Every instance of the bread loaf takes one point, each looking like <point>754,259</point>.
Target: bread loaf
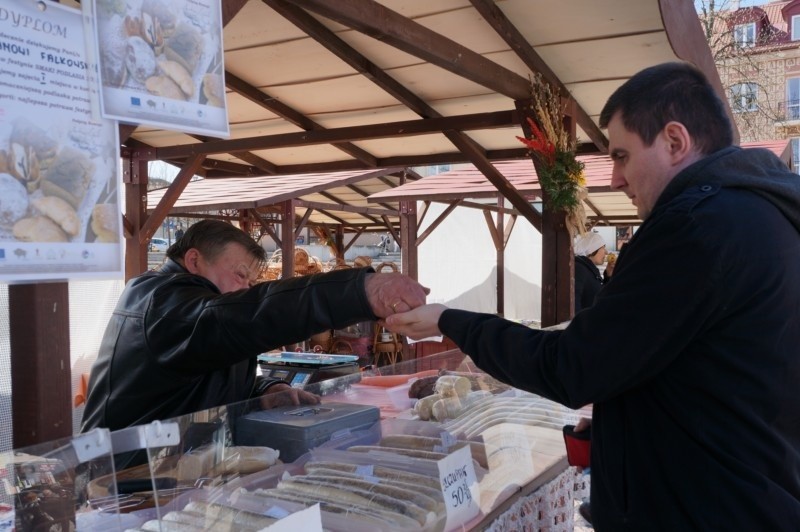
<point>39,229</point>
<point>139,59</point>
<point>60,212</point>
<point>69,176</point>
<point>105,222</point>
<point>177,73</point>
<point>214,90</point>
<point>422,387</point>
<point>165,87</point>
<point>185,46</point>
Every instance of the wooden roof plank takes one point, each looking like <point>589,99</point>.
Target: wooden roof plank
<point>380,22</point>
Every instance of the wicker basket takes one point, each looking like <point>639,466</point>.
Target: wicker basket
<point>362,261</point>
<point>384,265</point>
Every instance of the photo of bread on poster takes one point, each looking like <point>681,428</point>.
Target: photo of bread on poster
<point>55,188</point>
<point>153,53</point>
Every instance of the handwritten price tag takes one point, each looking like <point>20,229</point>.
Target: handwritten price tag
<point>309,520</point>
<point>459,487</point>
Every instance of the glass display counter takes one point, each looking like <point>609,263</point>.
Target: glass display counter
<point>45,487</point>
<point>367,457</point>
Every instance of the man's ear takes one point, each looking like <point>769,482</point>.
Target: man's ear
<point>679,142</point>
<point>191,259</point>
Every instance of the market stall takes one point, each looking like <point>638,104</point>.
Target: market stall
<point>471,452</point>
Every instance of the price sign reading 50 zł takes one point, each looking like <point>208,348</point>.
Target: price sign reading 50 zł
<point>459,487</point>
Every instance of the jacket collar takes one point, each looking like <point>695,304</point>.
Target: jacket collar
<point>587,262</point>
<point>692,175</point>
<point>170,266</point>
<point>754,169</point>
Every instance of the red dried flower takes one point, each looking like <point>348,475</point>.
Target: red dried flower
<point>539,143</point>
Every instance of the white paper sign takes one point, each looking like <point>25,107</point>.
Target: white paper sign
<point>460,487</point>
<point>308,520</point>
<point>161,63</point>
<point>59,167</point>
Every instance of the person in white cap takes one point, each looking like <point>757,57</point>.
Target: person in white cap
<point>590,252</point>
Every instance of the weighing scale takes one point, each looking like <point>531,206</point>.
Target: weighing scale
<point>300,369</point>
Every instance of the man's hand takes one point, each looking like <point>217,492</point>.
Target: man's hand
<point>284,395</point>
<point>390,293</point>
<point>419,323</point>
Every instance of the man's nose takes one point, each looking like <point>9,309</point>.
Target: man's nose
<point>617,179</point>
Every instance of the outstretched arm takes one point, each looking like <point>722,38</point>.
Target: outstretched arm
<point>418,323</point>
<point>391,293</point>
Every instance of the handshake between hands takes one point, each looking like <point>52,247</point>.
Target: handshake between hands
<point>400,303</point>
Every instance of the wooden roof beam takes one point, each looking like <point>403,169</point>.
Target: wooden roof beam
<point>403,160</point>
<point>267,226</point>
<point>319,32</point>
<point>439,219</point>
<point>495,17</point>
<point>161,210</point>
<point>333,217</point>
<point>490,120</point>
<point>303,221</point>
<point>341,202</point>
<point>144,151</point>
<point>389,27</point>
<point>249,157</point>
<point>317,205</point>
<point>266,101</point>
<point>388,225</point>
<point>364,194</point>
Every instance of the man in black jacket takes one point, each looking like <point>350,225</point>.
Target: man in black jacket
<point>690,355</point>
<point>185,337</point>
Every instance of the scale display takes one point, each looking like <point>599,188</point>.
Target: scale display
<point>300,369</point>
<point>290,357</point>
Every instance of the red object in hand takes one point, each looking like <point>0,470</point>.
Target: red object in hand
<point>579,446</point>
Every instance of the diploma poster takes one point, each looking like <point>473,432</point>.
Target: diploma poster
<point>161,63</point>
<point>59,195</point>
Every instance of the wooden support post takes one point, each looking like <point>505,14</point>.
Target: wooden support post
<point>338,241</point>
<point>409,262</point>
<point>40,362</point>
<point>287,239</point>
<point>245,222</point>
<point>558,286</point>
<point>134,176</point>
<point>501,258</point>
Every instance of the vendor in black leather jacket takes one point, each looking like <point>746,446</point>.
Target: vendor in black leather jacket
<point>691,352</point>
<point>185,337</point>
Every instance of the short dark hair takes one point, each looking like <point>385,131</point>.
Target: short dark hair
<point>210,237</point>
<point>671,92</point>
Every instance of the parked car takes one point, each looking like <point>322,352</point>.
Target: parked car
<point>158,244</point>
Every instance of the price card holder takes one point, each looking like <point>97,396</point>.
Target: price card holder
<point>308,520</point>
<point>460,487</point>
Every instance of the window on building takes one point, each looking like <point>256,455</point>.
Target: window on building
<point>793,99</point>
<point>745,34</point>
<point>796,27</point>
<point>744,97</point>
<point>796,155</point>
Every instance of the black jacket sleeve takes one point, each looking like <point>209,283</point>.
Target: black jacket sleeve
<point>189,326</point>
